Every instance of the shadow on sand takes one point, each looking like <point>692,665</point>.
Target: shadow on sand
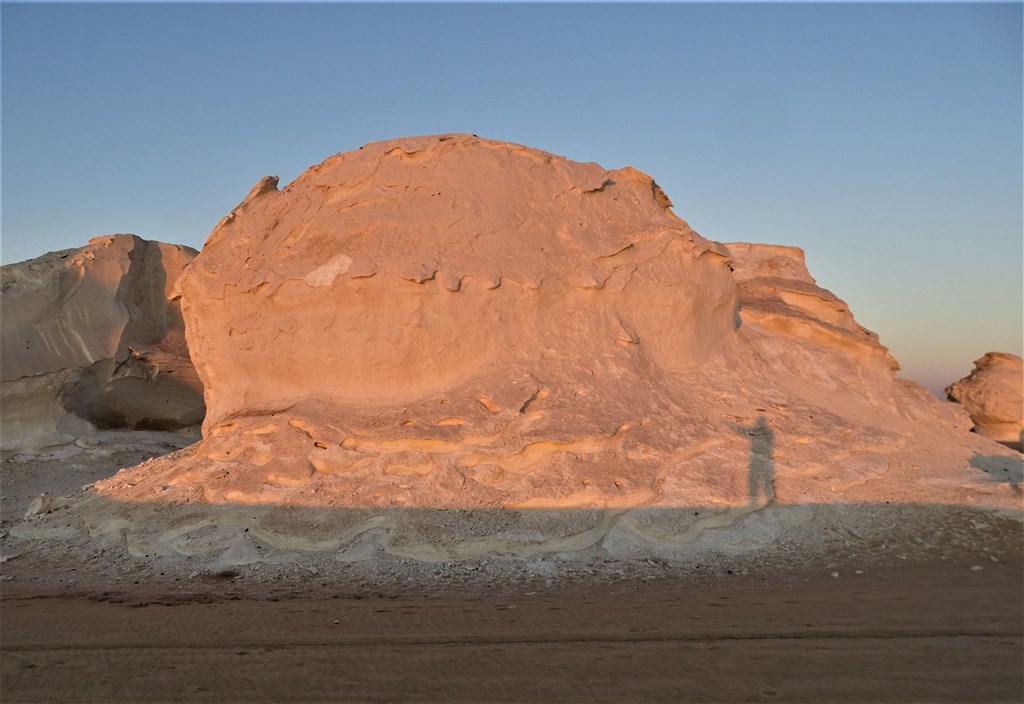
<point>228,534</point>
<point>1002,469</point>
<point>761,465</point>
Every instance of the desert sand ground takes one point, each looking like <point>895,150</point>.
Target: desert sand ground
<point>919,632</point>
<point>900,622</point>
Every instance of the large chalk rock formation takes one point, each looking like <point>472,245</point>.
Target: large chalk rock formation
<point>392,276</point>
<point>92,340</point>
<point>451,323</point>
<point>993,394</point>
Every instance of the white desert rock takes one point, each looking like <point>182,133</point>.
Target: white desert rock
<point>993,394</point>
<point>91,339</point>
<point>777,292</point>
<point>445,347</point>
<point>400,270</point>
<point>39,505</point>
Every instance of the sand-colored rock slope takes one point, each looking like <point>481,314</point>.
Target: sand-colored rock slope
<point>465,347</point>
<point>91,340</point>
<point>993,395</point>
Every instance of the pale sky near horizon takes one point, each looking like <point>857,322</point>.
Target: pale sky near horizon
<point>885,140</point>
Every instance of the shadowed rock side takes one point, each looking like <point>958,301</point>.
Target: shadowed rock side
<point>993,394</point>
<point>91,340</point>
<point>449,323</point>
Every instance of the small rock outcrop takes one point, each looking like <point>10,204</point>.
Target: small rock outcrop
<point>993,395</point>
<point>91,339</point>
<point>777,292</point>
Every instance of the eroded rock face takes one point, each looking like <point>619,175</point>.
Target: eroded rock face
<point>400,270</point>
<point>450,323</point>
<point>993,394</point>
<point>807,336</point>
<point>778,293</point>
<point>91,340</point>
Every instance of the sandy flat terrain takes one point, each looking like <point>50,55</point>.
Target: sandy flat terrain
<point>935,631</point>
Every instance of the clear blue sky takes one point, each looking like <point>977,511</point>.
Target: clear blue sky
<point>883,139</point>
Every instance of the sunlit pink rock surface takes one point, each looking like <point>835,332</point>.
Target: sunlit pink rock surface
<point>449,322</point>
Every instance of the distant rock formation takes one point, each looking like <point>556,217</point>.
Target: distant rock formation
<point>993,394</point>
<point>92,340</point>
